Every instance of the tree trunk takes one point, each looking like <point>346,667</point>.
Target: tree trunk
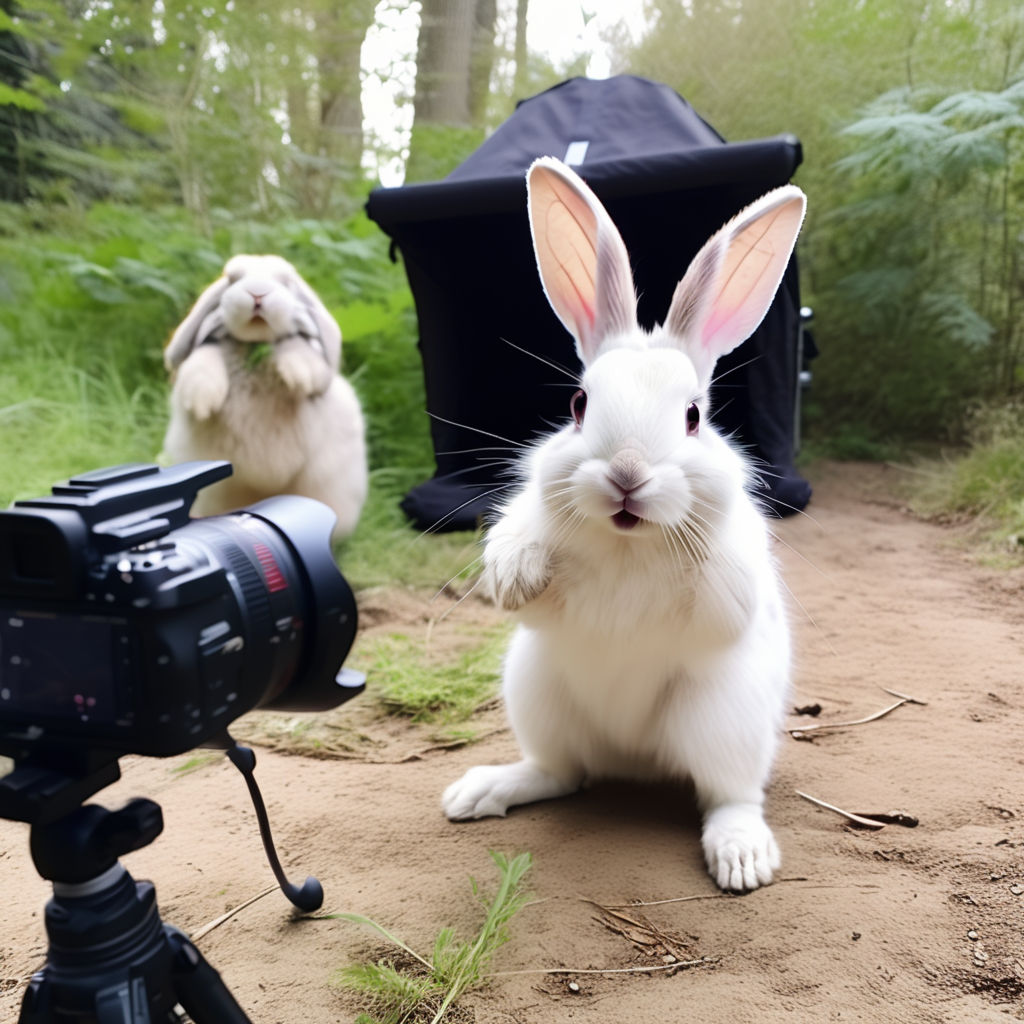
<point>519,83</point>
<point>341,31</point>
<point>455,54</point>
<point>326,114</point>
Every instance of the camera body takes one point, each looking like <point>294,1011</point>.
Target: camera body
<point>126,627</point>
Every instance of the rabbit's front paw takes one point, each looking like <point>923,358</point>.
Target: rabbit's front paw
<point>203,389</point>
<point>303,372</point>
<point>515,574</point>
<point>739,848</point>
<point>491,789</point>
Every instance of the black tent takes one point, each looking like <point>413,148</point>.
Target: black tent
<point>669,180</point>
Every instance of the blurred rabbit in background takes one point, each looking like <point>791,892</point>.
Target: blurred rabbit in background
<point>255,370</point>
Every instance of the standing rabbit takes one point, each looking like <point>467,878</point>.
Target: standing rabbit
<point>256,382</point>
<point>652,639</point>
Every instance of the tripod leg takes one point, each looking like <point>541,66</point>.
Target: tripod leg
<point>35,1004</point>
<point>198,986</point>
<point>120,1004</point>
<point>123,1004</point>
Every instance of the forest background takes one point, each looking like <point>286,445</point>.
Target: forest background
<point>142,142</point>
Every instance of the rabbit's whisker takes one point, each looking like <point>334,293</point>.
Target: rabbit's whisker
<point>673,543</point>
<point>444,586</point>
<point>477,430</point>
<point>733,369</point>
<point>474,451</point>
<point>810,618</point>
<point>574,377</point>
<point>444,615</point>
<point>785,543</point>
<point>458,508</point>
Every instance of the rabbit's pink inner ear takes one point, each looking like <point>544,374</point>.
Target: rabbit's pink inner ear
<point>565,240</point>
<point>750,275</point>
<point>569,259</point>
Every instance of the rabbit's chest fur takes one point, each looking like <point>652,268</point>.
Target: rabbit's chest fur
<point>627,638</point>
<point>262,426</point>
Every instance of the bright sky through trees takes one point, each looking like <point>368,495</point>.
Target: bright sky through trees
<point>559,30</point>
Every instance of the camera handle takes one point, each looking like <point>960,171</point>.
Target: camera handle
<point>111,959</point>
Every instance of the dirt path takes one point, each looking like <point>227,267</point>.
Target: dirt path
<point>900,925</point>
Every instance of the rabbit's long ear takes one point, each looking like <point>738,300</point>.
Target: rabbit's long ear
<point>583,263</point>
<point>731,282</point>
<point>186,334</point>
<point>327,326</point>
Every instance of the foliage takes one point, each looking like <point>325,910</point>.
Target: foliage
<point>925,279</point>
<point>88,305</point>
<point>152,103</point>
<point>987,483</point>
<point>421,989</point>
<point>410,682</point>
<point>910,255</point>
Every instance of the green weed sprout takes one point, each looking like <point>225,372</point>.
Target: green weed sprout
<point>419,989</point>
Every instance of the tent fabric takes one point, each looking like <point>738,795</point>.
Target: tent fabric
<point>491,346</point>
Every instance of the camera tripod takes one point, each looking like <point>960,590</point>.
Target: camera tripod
<point>111,959</point>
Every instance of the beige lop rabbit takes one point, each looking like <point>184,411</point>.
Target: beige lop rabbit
<point>256,381</point>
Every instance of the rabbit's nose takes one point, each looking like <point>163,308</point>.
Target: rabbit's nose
<point>628,470</point>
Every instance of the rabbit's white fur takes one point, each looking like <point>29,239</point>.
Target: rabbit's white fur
<point>289,423</point>
<point>654,644</point>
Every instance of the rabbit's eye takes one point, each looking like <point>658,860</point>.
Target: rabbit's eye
<point>692,419</point>
<point>578,407</point>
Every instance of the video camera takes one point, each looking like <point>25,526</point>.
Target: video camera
<point>127,628</point>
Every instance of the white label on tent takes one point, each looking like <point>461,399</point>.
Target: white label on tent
<point>576,153</point>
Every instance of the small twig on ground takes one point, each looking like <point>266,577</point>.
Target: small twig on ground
<point>218,921</point>
<point>855,818</point>
<point>687,899</point>
<point>678,965</point>
<point>462,741</point>
<point>818,726</point>
<point>648,937</point>
<point>903,696</point>
<point>674,899</point>
<point>891,818</point>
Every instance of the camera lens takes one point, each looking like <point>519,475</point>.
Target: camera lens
<point>297,611</point>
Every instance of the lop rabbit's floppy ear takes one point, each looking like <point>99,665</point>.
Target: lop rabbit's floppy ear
<point>194,327</point>
<point>327,326</point>
<point>582,259</point>
<point>731,282</point>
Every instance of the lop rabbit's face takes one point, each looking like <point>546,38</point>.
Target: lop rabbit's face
<point>258,304</point>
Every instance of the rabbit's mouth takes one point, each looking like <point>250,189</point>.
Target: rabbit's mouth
<point>625,520</point>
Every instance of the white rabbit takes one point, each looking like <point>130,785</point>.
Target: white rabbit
<point>652,639</point>
<point>288,422</point>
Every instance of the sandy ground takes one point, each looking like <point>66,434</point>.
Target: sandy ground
<point>919,925</point>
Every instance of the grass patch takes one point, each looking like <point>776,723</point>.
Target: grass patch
<point>411,989</point>
<point>439,688</point>
<point>197,762</point>
<point>849,444</point>
<point>385,550</point>
<point>984,485</point>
